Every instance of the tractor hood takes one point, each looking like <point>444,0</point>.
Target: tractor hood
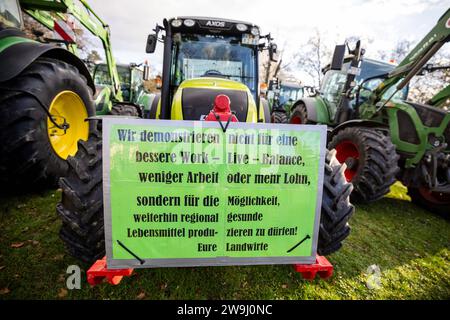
<point>194,99</point>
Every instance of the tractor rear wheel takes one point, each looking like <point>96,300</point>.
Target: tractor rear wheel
<point>279,117</point>
<point>33,150</point>
<point>299,115</point>
<point>81,206</point>
<point>371,161</point>
<point>436,202</point>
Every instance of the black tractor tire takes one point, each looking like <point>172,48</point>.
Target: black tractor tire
<point>128,110</point>
<point>27,158</point>
<point>279,117</point>
<point>81,206</point>
<point>435,202</point>
<point>299,115</point>
<point>336,207</point>
<point>371,161</point>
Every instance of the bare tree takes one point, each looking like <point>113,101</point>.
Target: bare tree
<point>424,87</point>
<point>313,56</point>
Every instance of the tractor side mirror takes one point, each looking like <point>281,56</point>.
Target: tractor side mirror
<point>273,52</point>
<point>152,40</point>
<point>146,74</point>
<point>338,57</point>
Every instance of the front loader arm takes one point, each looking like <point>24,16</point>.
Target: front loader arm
<point>46,11</point>
<point>411,65</point>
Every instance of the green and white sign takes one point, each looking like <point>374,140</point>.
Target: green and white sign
<point>184,193</point>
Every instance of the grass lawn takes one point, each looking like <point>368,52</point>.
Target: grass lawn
<point>409,245</point>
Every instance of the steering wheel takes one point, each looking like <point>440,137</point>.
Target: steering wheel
<point>212,73</point>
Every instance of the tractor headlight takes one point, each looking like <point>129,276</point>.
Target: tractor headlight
<point>255,31</point>
<point>241,27</point>
<point>189,23</point>
<point>176,23</point>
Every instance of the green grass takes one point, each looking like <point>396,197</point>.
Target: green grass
<point>410,245</point>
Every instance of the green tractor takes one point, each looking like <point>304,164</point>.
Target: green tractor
<point>46,92</point>
<point>119,89</point>
<point>45,96</point>
<point>376,132</point>
<point>134,99</point>
<point>281,96</point>
<point>203,58</point>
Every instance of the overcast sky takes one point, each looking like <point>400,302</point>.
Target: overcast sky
<point>381,22</point>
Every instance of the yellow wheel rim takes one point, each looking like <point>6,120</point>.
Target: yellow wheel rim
<point>67,108</point>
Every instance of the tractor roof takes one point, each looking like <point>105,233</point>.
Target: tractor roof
<point>213,19</point>
<point>211,25</point>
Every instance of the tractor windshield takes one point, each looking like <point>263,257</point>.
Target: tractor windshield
<point>290,93</point>
<point>10,14</point>
<point>196,55</point>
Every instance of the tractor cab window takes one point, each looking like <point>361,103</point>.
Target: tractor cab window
<point>372,69</point>
<point>196,56</point>
<point>332,86</point>
<point>10,14</point>
<point>289,93</point>
<point>102,78</point>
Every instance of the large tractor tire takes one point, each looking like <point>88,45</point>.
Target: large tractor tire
<point>33,150</point>
<point>81,206</point>
<point>336,206</point>
<point>279,117</point>
<point>371,161</point>
<point>299,115</point>
<point>436,202</point>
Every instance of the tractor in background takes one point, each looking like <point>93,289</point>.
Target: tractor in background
<point>281,96</point>
<point>378,133</point>
<point>203,58</point>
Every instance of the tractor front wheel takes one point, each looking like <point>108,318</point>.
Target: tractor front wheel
<point>299,115</point>
<point>279,117</point>
<point>371,161</point>
<point>336,207</point>
<point>437,202</point>
<point>128,110</point>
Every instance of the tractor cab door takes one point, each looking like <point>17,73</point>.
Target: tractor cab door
<point>332,85</point>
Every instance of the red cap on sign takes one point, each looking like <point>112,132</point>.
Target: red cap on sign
<point>222,103</point>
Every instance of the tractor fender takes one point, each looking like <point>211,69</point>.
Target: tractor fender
<point>17,57</point>
<point>356,123</point>
<point>315,108</point>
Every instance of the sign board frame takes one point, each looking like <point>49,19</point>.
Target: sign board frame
<point>220,260</point>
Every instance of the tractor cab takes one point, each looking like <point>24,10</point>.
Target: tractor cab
<point>130,76</point>
<point>346,86</point>
<point>10,14</point>
<point>282,94</point>
<point>206,57</point>
<point>131,86</point>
